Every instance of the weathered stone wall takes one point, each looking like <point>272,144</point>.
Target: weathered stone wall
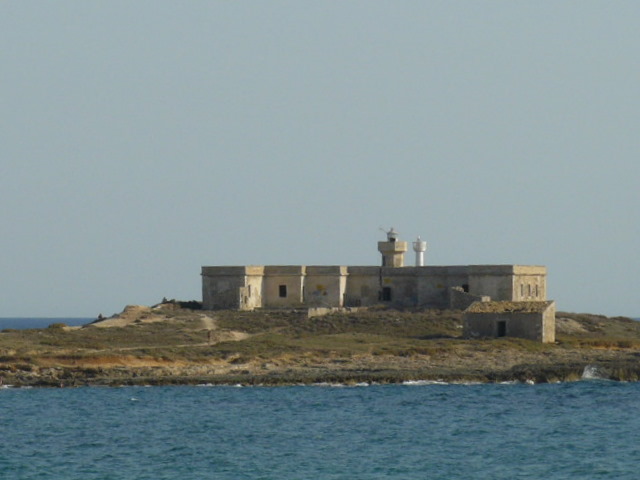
<point>407,286</point>
<point>283,286</point>
<point>421,286</point>
<point>362,286</point>
<point>529,283</point>
<point>322,311</point>
<point>325,286</point>
<point>531,320</point>
<point>251,293</point>
<point>460,300</point>
<point>549,323</point>
<point>393,253</point>
<point>221,286</point>
<point>399,287</point>
<point>336,286</point>
<point>495,281</point>
<point>434,284</point>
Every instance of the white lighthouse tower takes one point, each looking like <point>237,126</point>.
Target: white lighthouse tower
<point>419,246</point>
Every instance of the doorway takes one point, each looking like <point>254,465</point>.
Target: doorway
<point>386,294</point>
<point>502,328</point>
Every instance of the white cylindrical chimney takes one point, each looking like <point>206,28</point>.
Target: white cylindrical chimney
<point>419,246</point>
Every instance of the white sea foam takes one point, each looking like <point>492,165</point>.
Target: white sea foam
<point>593,372</point>
<point>424,382</point>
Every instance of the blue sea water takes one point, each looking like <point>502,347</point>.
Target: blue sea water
<point>583,430</point>
<point>40,322</point>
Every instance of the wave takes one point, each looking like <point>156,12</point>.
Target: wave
<point>593,372</point>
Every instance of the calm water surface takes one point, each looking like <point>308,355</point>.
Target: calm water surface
<point>21,323</point>
<point>565,431</point>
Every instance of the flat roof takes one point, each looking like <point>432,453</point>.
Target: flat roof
<point>508,307</point>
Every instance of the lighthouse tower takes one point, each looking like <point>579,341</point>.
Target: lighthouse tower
<point>419,246</point>
<point>392,250</point>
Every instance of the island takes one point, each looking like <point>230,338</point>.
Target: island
<point>179,343</point>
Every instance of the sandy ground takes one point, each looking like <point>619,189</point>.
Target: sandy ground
<point>143,314</point>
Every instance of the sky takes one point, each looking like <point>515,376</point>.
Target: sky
<point>142,140</point>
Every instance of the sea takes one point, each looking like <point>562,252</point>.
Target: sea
<point>423,430</point>
<point>17,323</point>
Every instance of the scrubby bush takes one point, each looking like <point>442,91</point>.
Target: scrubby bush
<point>57,325</point>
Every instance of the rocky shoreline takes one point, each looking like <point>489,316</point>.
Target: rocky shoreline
<point>622,369</point>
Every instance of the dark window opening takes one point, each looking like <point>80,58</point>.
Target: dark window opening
<point>502,328</point>
<point>283,291</point>
<point>386,294</point>
<point>465,287</point>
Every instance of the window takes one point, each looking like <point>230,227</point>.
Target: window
<point>282,290</point>
<point>386,294</point>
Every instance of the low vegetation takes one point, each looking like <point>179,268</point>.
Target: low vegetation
<point>176,342</point>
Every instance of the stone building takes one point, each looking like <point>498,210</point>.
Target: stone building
<point>532,320</point>
<point>392,283</point>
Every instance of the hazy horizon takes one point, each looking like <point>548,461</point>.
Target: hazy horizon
<point>141,141</point>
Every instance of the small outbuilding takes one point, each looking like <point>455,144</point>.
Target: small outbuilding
<point>532,320</point>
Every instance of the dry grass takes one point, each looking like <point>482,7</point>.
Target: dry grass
<point>175,343</point>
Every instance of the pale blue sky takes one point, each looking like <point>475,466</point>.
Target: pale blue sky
<point>142,140</point>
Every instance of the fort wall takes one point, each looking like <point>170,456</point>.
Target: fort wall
<point>325,286</point>
<point>362,287</point>
<point>280,286</point>
<point>283,286</point>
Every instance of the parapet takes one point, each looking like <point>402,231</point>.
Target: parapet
<point>232,271</point>
<point>368,271</point>
<point>326,270</point>
<point>529,270</point>
<point>284,270</point>
<point>507,270</point>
